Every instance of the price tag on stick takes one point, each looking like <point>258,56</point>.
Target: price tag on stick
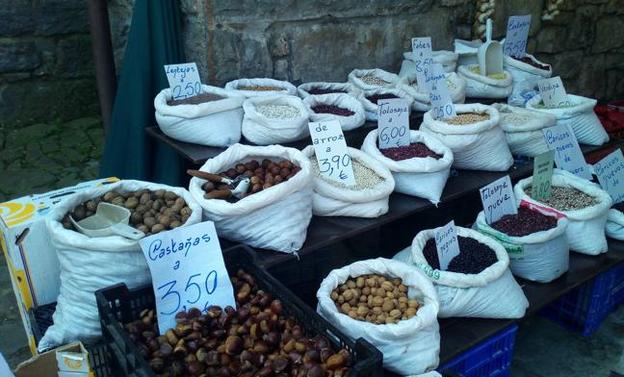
<point>568,154</point>
<point>331,152</point>
<point>446,244</point>
<point>393,123</point>
<point>542,175</point>
<point>517,34</point>
<point>187,271</point>
<point>610,172</point>
<point>183,80</point>
<point>553,93</point>
<point>442,106</point>
<point>498,199</point>
<point>421,52</point>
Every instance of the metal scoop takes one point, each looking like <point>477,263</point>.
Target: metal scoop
<point>108,220</point>
<point>490,54</point>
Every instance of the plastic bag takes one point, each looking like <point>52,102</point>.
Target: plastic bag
<point>214,123</point>
<point>410,346</point>
<point>339,87</point>
<point>476,146</point>
<point>371,108</point>
<point>420,177</point>
<point>91,263</point>
<point>355,78</point>
<point>492,293</point>
<point>615,224</point>
<point>586,227</point>
<point>523,129</point>
<point>480,86</point>
<point>262,130</point>
<point>283,87</point>
<point>276,218</point>
<point>580,116</point>
<point>341,100</point>
<point>456,86</point>
<point>331,200</point>
<point>525,78</point>
<point>447,59</point>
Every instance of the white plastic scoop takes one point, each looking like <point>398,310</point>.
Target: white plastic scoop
<point>108,220</point>
<point>490,54</point>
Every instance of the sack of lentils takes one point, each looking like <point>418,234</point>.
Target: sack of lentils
<point>579,114</point>
<point>369,99</point>
<point>477,283</point>
<point>261,87</point>
<point>455,84</point>
<point>368,79</point>
<point>475,138</point>
<point>498,85</point>
<point>318,88</point>
<point>344,108</point>
<point>615,222</point>
<point>447,59</point>
<point>213,117</point>
<point>419,169</point>
<point>275,211</point>
<point>535,240</point>
<point>390,304</point>
<point>523,129</point>
<point>275,119</point>
<point>368,198</point>
<point>91,263</point>
<point>585,205</point>
<point>525,73</point>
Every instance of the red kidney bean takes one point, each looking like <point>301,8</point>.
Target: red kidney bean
<point>332,109</point>
<point>526,222</point>
<point>414,150</point>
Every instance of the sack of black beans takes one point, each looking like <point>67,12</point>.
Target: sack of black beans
<point>368,198</point>
<point>447,59</point>
<point>213,117</point>
<point>369,99</point>
<point>344,108</point>
<point>477,283</point>
<point>474,136</point>
<point>579,115</point>
<point>275,119</point>
<point>261,87</point>
<point>419,169</point>
<point>615,224</point>
<point>368,79</point>
<point>523,129</point>
<point>409,346</point>
<point>91,263</point>
<point>317,88</point>
<point>525,73</point>
<point>455,84</point>
<point>535,240</point>
<point>274,218</point>
<point>498,85</point>
<point>585,205</point>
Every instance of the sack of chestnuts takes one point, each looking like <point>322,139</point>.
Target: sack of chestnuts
<point>389,303</point>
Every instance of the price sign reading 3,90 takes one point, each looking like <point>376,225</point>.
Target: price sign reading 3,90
<point>441,102</point>
<point>183,80</point>
<point>331,152</point>
<point>393,123</point>
<point>187,271</point>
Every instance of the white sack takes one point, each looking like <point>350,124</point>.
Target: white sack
<point>466,51</point>
<point>276,218</point>
<point>615,224</point>
<point>410,346</point>
<point>346,87</point>
<point>371,108</point>
<point>525,78</point>
<point>264,131</point>
<point>456,86</point>
<point>420,177</point>
<point>523,129</point>
<point>92,263</point>
<point>345,101</point>
<point>330,200</point>
<point>286,88</point>
<point>215,123</point>
<point>480,86</point>
<point>447,59</point>
<point>580,116</point>
<point>355,78</point>
<point>586,227</point>
<point>477,146</point>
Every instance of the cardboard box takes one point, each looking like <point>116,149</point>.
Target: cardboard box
<point>71,360</point>
<point>31,259</point>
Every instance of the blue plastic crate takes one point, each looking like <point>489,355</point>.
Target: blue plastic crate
<point>584,308</point>
<point>491,358</point>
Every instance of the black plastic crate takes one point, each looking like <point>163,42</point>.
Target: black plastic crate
<point>117,306</point>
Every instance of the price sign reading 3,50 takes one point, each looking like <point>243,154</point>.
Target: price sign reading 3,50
<point>183,80</point>
<point>331,152</point>
<point>441,102</point>
<point>517,34</point>
<point>393,123</point>
<point>421,54</point>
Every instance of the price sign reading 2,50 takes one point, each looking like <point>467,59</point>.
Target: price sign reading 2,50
<point>194,290</point>
<point>183,80</point>
<point>190,90</point>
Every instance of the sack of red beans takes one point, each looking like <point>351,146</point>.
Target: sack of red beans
<point>477,282</point>
<point>319,87</point>
<point>369,99</point>
<point>368,79</point>
<point>535,240</point>
<point>420,169</point>
<point>344,108</point>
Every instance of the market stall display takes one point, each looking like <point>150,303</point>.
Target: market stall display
<point>275,119</point>
<point>523,129</point>
<point>261,87</point>
<point>320,87</point>
<point>420,169</point>
<point>368,79</point>
<point>409,84</point>
<point>369,99</point>
<point>525,73</point>
<point>344,108</point>
<point>615,222</point>
<point>368,198</point>
<point>585,205</point>
<point>474,136</point>
<point>213,117</point>
<point>497,85</point>
<point>447,59</point>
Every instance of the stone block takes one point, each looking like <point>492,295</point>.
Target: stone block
<point>551,39</point>
<point>22,137</point>
<point>504,9</point>
<point>280,69</point>
<point>18,55</point>
<point>614,60</point>
<point>16,18</point>
<point>566,64</point>
<point>614,85</point>
<point>591,78</point>
<point>74,57</point>
<point>53,17</point>
<point>609,34</point>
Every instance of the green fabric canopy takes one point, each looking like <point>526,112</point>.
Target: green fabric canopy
<point>153,41</point>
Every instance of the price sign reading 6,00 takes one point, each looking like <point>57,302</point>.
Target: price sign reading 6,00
<point>183,80</point>
<point>393,123</point>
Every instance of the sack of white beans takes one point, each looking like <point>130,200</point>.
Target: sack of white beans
<point>523,129</point>
<point>456,86</point>
<point>447,59</point>
<point>261,87</point>
<point>369,99</point>
<point>525,77</point>
<point>346,109</point>
<point>275,119</point>
<point>480,86</point>
<point>317,88</point>
<point>368,79</point>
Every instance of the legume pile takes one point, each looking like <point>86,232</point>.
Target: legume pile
<point>317,91</point>
<point>495,76</point>
<point>376,97</point>
<point>528,60</point>
<point>467,118</point>
<point>566,198</point>
<point>376,299</point>
<point>365,177</point>
<point>278,111</point>
<point>526,222</point>
<point>261,88</point>
<point>332,109</point>
<point>473,257</point>
<point>195,100</point>
<point>414,150</point>
<point>371,79</point>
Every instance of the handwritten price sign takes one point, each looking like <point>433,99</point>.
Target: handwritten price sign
<point>421,52</point>
<point>498,199</point>
<point>542,175</point>
<point>446,244</point>
<point>331,151</point>
<point>187,271</point>
<point>393,123</point>
<point>553,93</point>
<point>568,154</point>
<point>517,34</point>
<point>441,102</point>
<point>183,80</point>
<point>610,172</point>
